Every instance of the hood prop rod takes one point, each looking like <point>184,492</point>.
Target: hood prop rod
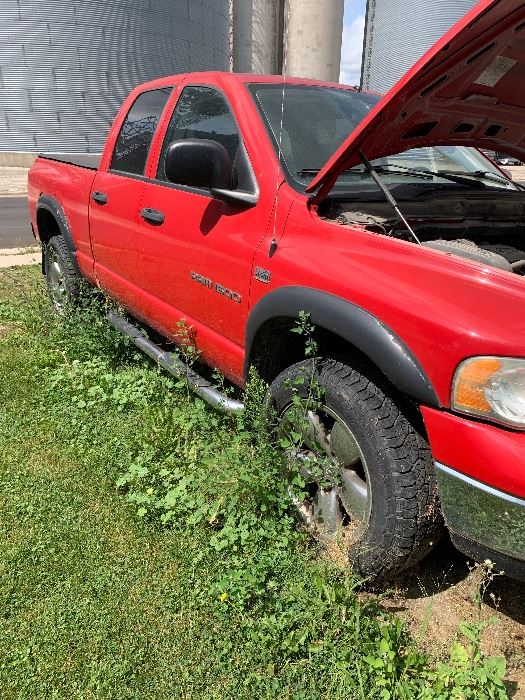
<point>388,195</point>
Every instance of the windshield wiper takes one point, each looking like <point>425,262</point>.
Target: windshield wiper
<point>459,179</point>
<point>487,175</point>
<point>314,171</point>
<point>401,170</point>
<point>378,168</point>
<point>408,172</point>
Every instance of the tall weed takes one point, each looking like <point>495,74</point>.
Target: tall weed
<point>289,624</point>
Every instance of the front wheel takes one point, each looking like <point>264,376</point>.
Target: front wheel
<point>360,466</point>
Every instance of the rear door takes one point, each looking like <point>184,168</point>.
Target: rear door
<point>116,196</point>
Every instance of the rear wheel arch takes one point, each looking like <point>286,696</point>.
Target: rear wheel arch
<point>342,329</point>
<point>51,221</point>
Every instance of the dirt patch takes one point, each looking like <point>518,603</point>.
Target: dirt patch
<point>443,592</point>
<point>336,549</point>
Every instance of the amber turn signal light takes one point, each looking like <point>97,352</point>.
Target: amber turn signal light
<point>469,388</point>
<point>492,388</point>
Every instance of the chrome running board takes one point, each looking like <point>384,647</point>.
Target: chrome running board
<point>176,367</point>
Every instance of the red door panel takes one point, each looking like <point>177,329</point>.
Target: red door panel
<point>199,260</point>
<point>114,228</point>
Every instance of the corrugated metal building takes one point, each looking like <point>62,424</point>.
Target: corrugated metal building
<point>398,32</point>
<point>67,65</point>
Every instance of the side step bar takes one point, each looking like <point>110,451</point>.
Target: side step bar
<point>175,366</point>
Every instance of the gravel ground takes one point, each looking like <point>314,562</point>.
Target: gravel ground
<point>13,181</point>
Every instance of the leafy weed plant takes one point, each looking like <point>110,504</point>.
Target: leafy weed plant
<point>150,550</point>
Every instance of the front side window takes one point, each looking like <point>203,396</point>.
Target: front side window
<point>201,113</point>
<point>135,137</point>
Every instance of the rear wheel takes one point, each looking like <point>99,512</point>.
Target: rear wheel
<point>63,282</point>
<point>361,472</point>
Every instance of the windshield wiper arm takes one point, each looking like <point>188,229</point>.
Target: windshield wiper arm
<point>488,175</point>
<point>378,168</point>
<point>460,179</point>
<point>400,170</point>
<point>314,171</point>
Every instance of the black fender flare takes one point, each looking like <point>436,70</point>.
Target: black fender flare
<point>357,326</point>
<point>53,207</point>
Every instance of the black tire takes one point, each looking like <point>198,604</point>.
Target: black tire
<point>63,282</point>
<point>403,519</point>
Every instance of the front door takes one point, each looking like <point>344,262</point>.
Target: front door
<point>197,262</point>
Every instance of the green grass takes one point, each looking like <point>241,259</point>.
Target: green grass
<point>148,550</point>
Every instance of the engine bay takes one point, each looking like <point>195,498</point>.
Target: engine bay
<point>486,226</point>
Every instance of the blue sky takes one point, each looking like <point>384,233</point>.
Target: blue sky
<point>354,24</point>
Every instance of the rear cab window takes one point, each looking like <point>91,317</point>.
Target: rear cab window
<point>136,134</point>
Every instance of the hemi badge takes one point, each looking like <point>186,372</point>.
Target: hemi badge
<point>262,275</point>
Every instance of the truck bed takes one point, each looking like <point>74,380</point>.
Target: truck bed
<point>91,161</point>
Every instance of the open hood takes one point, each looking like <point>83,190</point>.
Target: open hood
<point>467,90</point>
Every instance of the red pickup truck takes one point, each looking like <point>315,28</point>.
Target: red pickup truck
<point>236,202</point>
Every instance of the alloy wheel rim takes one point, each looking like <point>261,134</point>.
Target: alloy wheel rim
<point>57,284</point>
<point>327,455</point>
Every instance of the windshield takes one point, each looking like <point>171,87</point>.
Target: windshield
<point>316,120</point>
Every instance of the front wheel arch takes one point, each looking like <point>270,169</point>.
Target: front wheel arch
<point>341,328</point>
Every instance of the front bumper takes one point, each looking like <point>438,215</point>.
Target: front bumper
<point>483,522</point>
<point>480,470</point>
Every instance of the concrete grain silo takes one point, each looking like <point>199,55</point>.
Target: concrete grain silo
<point>312,38</point>
<point>398,32</point>
<point>257,36</point>
<point>67,65</point>
<point>295,37</point>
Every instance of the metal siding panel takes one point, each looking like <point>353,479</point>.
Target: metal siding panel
<point>61,12</point>
<point>67,66</point>
<point>10,11</point>
<point>399,33</point>
<point>10,99</point>
<point>11,53</point>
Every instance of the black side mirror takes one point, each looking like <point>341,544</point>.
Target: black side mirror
<point>198,163</point>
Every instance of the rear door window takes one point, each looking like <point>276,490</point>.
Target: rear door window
<point>135,137</point>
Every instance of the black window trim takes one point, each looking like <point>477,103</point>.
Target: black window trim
<point>169,185</point>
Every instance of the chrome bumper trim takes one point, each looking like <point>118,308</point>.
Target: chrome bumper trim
<point>482,513</point>
<point>480,485</point>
